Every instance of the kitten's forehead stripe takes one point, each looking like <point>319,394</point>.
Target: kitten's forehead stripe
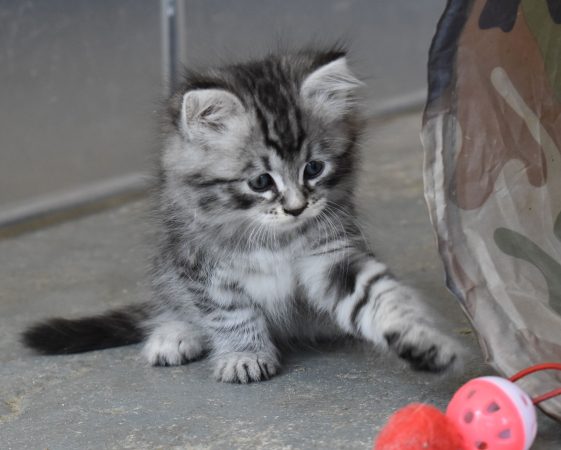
<point>269,142</point>
<point>266,163</point>
<point>279,116</point>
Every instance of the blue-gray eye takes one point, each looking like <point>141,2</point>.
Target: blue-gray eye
<point>313,169</point>
<point>262,183</point>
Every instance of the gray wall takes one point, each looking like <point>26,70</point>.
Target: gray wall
<point>389,39</point>
<point>79,79</point>
<point>78,83</point>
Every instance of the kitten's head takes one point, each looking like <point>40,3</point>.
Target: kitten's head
<point>268,142</point>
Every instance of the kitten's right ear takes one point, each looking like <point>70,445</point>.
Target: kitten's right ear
<point>329,90</point>
<point>209,110</point>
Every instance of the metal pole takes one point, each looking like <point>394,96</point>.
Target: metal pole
<point>170,45</point>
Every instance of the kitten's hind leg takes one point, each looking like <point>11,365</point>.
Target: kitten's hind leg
<point>173,343</point>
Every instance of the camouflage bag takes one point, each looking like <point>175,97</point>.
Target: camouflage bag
<point>492,138</point>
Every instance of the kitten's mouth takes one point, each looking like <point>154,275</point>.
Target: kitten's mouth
<point>288,222</point>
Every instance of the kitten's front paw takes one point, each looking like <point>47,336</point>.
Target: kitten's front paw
<point>424,348</point>
<point>172,344</point>
<point>245,367</point>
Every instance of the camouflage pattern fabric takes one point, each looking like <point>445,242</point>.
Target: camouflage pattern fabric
<point>492,138</point>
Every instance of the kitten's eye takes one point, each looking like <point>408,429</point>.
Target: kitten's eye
<point>262,183</point>
<point>313,169</point>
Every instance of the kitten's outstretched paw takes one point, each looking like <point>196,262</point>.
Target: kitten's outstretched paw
<point>245,367</point>
<point>425,349</point>
<point>172,344</point>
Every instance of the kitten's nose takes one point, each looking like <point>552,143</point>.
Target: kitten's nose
<point>295,211</point>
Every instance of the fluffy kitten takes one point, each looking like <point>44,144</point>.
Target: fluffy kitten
<point>259,239</point>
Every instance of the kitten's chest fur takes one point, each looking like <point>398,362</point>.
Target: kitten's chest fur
<point>268,277</point>
<point>272,280</point>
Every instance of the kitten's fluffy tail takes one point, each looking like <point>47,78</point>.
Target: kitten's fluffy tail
<point>111,329</point>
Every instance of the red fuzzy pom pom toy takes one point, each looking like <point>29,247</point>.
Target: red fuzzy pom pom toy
<point>419,426</point>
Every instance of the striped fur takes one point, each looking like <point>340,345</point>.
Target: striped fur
<point>240,271</point>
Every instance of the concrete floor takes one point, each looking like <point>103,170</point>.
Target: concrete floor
<point>325,398</point>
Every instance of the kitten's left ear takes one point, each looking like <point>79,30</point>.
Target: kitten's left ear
<point>328,91</point>
<point>210,112</point>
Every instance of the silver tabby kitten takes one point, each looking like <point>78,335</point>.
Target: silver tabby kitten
<point>260,244</point>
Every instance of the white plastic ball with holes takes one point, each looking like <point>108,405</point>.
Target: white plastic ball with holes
<point>493,413</point>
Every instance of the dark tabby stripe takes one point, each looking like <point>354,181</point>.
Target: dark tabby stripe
<point>361,303</point>
<point>343,275</point>
<point>224,324</point>
<point>207,305</point>
<point>199,181</point>
<point>242,201</point>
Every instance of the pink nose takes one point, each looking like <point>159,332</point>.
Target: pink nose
<point>493,413</point>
